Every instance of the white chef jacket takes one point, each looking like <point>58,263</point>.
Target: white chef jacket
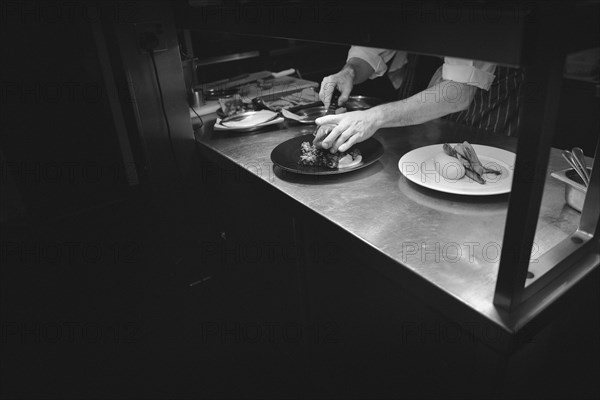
<point>471,72</point>
<point>495,108</point>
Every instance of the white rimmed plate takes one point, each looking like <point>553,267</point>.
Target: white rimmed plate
<point>220,127</point>
<point>248,119</point>
<point>418,167</point>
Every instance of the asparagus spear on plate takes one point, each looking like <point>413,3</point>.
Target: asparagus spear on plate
<point>492,171</point>
<point>474,175</point>
<point>460,150</point>
<point>449,150</point>
<point>453,153</point>
<point>461,153</point>
<point>466,154</point>
<point>473,159</point>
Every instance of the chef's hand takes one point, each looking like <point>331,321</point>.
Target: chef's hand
<point>352,127</point>
<point>342,81</point>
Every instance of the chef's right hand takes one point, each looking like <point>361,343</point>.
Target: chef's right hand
<point>342,81</point>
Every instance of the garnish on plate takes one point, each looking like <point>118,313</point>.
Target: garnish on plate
<point>464,162</point>
<point>314,157</point>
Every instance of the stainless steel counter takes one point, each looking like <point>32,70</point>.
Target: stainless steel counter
<point>452,242</point>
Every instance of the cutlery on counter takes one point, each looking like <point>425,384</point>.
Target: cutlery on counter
<point>578,166</point>
<point>580,158</point>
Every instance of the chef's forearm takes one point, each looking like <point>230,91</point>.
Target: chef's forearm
<point>444,98</point>
<point>359,69</point>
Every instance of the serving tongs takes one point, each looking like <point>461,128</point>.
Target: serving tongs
<point>576,159</point>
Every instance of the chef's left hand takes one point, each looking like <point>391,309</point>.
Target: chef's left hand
<point>352,127</point>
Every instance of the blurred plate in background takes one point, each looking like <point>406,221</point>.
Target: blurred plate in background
<point>249,119</point>
<point>310,114</point>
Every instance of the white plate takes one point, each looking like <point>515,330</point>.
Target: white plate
<point>418,166</point>
<point>219,127</point>
<point>249,119</point>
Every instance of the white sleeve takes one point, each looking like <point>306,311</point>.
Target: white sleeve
<point>471,72</point>
<point>376,58</point>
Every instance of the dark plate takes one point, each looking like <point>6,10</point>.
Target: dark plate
<point>357,103</point>
<point>287,154</point>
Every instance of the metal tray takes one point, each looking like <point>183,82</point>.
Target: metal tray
<point>575,190</point>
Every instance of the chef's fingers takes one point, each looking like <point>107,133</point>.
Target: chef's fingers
<point>322,89</point>
<point>349,143</point>
<point>345,93</point>
<point>332,137</point>
<point>343,138</point>
<point>318,140</point>
<point>327,87</point>
<point>329,119</point>
<point>321,134</point>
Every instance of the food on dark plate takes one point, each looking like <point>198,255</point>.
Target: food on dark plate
<point>466,157</point>
<point>314,157</point>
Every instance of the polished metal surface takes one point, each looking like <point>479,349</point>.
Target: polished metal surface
<point>453,242</point>
<point>571,259</point>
